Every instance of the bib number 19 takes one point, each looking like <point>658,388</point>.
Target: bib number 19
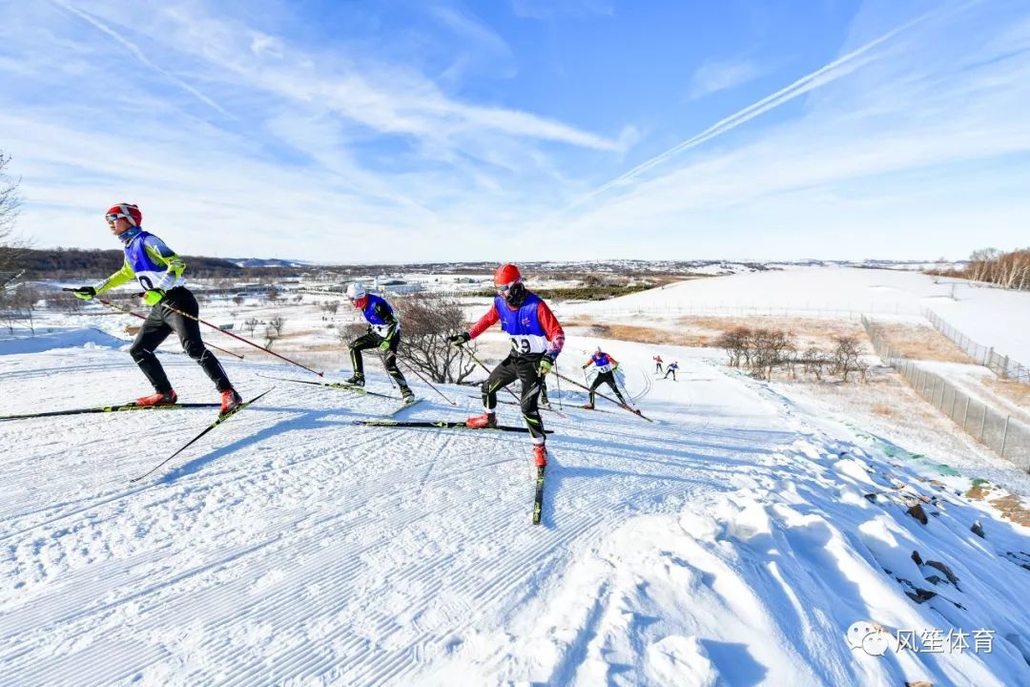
<point>521,345</point>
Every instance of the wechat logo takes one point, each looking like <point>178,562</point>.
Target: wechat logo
<point>869,637</point>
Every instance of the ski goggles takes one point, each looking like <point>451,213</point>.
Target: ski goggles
<point>505,288</point>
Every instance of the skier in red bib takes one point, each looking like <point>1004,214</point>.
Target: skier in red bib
<point>536,340</point>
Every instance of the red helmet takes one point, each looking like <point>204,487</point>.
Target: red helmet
<point>126,210</point>
<point>506,275</point>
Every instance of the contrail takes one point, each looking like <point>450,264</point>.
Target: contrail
<point>826,74</point>
<point>134,49</point>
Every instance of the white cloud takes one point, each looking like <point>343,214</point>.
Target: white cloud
<point>713,76</point>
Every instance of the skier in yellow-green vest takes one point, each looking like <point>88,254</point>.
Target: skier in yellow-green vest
<point>159,270</point>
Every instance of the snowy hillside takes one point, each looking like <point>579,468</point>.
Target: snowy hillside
<point>735,541</point>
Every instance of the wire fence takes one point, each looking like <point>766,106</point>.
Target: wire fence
<point>1002,365</point>
<point>1005,435</point>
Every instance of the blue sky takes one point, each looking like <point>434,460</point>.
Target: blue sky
<point>402,130</point>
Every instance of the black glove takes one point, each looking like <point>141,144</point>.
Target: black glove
<point>85,292</point>
<point>458,339</point>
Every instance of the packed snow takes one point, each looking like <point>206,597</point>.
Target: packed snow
<point>737,541</point>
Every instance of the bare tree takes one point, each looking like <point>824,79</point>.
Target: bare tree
<point>846,356</point>
<point>25,299</point>
<point>272,294</point>
<point>250,325</point>
<point>330,307</point>
<point>238,299</point>
<point>270,336</point>
<point>735,341</point>
<point>277,323</point>
<point>426,322</point>
<point>10,204</point>
<point>815,361</point>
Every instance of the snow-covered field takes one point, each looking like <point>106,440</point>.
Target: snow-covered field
<point>990,316</point>
<point>735,541</point>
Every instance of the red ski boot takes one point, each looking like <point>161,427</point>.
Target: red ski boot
<point>230,401</point>
<point>167,398</point>
<point>483,421</point>
<point>540,455</point>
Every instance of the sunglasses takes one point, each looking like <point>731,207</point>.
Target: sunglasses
<point>505,288</point>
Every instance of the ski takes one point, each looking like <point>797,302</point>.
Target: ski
<point>220,420</point>
<point>441,424</point>
<point>108,409</point>
<point>538,497</point>
<point>548,408</point>
<point>343,386</point>
<point>404,406</point>
<point>635,411</point>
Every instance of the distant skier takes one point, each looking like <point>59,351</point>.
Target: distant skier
<point>536,340</point>
<point>384,333</point>
<point>657,364</point>
<point>606,367</point>
<point>159,271</point>
<point>671,370</point>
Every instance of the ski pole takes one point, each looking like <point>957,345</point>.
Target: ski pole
<point>240,338</point>
<point>217,348</point>
<point>416,372</point>
<point>558,378</point>
<point>213,326</point>
<point>480,363</point>
<point>607,398</point>
<point>143,317</point>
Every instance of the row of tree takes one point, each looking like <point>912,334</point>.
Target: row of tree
<point>1009,270</point>
<point>763,351</point>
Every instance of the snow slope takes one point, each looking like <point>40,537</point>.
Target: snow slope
<point>732,542</point>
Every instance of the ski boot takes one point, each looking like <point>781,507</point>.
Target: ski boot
<point>484,421</point>
<point>587,406</point>
<point>230,401</point>
<point>408,396</point>
<point>356,379</point>
<point>630,408</point>
<point>540,455</point>
<point>167,398</point>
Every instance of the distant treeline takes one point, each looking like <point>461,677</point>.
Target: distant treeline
<point>72,262</point>
<point>1009,270</point>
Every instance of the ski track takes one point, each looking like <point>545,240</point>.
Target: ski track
<point>292,546</point>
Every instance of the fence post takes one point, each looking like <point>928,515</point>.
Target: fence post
<point>990,356</point>
<point>1005,435</point>
<point>965,414</point>
<point>1005,368</point>
<point>983,421</point>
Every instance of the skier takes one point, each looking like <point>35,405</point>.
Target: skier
<point>606,367</point>
<point>384,333</point>
<point>536,340</point>
<point>673,366</point>
<point>159,271</point>
<point>657,364</point>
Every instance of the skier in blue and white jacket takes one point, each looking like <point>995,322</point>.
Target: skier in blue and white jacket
<point>384,333</point>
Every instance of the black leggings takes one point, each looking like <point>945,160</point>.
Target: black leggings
<point>373,340</point>
<point>523,368</point>
<point>601,378</point>
<point>159,324</point>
